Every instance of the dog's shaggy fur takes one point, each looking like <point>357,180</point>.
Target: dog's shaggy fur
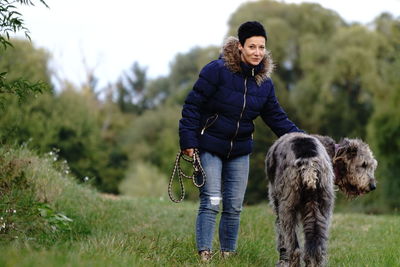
<point>302,170</point>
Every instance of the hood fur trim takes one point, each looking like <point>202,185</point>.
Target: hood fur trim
<point>231,55</point>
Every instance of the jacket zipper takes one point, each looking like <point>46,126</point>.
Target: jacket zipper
<point>240,117</point>
<point>209,125</point>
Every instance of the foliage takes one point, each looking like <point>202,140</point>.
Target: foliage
<point>56,220</point>
<point>71,126</point>
<point>151,139</point>
<point>25,60</point>
<point>25,73</point>
<point>21,88</point>
<point>384,126</point>
<point>337,99</point>
<point>153,135</point>
<point>11,22</point>
<point>75,126</point>
<point>130,90</point>
<point>144,180</point>
<point>185,69</point>
<point>23,205</point>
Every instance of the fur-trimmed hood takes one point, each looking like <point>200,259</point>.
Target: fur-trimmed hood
<point>231,55</point>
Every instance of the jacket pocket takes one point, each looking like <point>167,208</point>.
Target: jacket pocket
<point>210,121</point>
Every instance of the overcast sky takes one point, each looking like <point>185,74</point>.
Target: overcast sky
<point>110,35</point>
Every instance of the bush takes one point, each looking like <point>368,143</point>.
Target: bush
<point>71,125</point>
<point>144,180</point>
<point>27,189</point>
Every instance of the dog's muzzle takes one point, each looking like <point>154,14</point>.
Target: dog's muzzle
<point>372,186</point>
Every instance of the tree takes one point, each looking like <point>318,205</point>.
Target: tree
<point>70,124</point>
<point>384,126</point>
<point>11,22</point>
<point>335,97</point>
<point>131,89</point>
<point>25,61</point>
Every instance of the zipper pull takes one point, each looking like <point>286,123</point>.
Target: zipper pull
<point>252,72</point>
<point>202,131</point>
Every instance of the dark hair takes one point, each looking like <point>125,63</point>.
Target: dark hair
<point>250,29</point>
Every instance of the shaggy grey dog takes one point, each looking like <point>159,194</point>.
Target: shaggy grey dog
<point>302,170</point>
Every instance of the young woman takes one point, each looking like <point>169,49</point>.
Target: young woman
<point>217,119</point>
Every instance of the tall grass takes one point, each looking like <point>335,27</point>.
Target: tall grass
<point>100,231</point>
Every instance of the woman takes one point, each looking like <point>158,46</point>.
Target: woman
<point>217,119</point>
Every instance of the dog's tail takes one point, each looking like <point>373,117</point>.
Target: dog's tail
<point>309,171</point>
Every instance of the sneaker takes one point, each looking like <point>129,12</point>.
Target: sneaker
<point>227,254</point>
<point>205,255</point>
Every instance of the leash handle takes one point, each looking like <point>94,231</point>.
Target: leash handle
<point>198,169</point>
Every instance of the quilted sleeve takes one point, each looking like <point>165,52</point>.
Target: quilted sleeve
<point>275,117</point>
<point>203,89</point>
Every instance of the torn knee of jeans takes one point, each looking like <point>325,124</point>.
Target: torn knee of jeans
<point>215,200</point>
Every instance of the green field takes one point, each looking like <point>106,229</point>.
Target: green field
<point>108,231</point>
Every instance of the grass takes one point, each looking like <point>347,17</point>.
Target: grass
<point>60,223</point>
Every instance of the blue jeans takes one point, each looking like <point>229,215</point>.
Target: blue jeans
<point>226,181</point>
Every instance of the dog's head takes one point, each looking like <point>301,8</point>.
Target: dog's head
<point>354,166</point>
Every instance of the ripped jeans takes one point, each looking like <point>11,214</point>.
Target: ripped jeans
<point>226,182</point>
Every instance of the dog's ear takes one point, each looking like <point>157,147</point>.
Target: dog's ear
<point>342,147</point>
<point>351,152</point>
<point>340,168</point>
<point>341,152</point>
<point>347,149</point>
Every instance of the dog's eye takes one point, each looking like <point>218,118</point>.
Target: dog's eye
<point>364,165</point>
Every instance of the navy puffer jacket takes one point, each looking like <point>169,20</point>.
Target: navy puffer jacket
<point>218,113</point>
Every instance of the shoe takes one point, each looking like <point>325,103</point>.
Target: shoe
<point>205,255</point>
<point>227,254</point>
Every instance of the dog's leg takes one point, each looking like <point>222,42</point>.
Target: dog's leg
<point>283,257</point>
<point>288,244</point>
<point>316,219</point>
<point>279,238</point>
<point>286,257</point>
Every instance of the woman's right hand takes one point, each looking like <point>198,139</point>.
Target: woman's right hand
<point>188,152</point>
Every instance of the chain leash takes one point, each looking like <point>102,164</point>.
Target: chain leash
<point>198,170</point>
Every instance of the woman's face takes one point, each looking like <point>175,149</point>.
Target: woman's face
<point>253,50</point>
